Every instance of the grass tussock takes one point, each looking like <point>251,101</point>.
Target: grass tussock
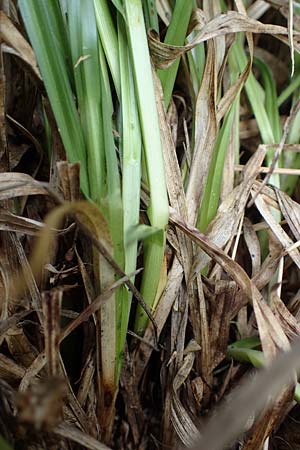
<point>149,224</point>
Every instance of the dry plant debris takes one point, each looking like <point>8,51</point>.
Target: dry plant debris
<point>140,283</point>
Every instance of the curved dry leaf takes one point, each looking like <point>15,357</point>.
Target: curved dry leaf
<point>232,22</point>
<point>12,36</point>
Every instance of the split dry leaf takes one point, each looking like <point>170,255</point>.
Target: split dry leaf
<point>32,371</point>
<point>94,306</point>
<point>173,175</point>
<point>144,350</point>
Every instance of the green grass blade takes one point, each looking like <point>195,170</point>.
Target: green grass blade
<point>289,90</point>
<point>41,20</point>
<point>4,445</point>
<point>131,174</point>
<point>256,100</point>
<point>211,196</point>
<point>150,15</point>
<point>158,207</point>
<point>176,36</point>
<point>256,358</point>
<point>115,211</point>
<point>109,40</point>
<point>270,98</point>
<point>85,57</point>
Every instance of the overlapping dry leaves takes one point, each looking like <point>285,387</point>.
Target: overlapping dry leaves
<point>175,375</point>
